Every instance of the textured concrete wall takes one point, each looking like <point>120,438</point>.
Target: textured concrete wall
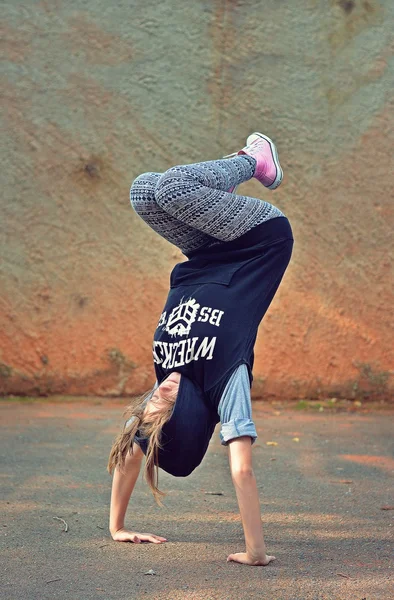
<point>97,92</point>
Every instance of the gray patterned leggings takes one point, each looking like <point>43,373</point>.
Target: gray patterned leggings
<point>190,206</point>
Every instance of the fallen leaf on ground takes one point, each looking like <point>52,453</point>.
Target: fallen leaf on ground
<point>271,443</point>
<point>296,439</point>
<point>343,575</point>
<point>341,481</point>
<point>215,493</point>
<point>387,508</point>
<point>150,572</point>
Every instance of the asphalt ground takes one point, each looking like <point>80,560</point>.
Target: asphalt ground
<point>327,507</point>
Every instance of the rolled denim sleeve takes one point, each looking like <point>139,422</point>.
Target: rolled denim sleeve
<point>235,408</point>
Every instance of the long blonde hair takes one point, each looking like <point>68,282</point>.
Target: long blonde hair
<point>149,425</point>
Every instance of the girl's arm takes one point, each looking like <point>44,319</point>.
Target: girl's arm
<point>240,457</point>
<point>122,487</point>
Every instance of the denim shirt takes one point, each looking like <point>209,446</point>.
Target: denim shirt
<point>235,408</point>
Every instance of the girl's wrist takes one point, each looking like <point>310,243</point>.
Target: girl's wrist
<point>256,553</point>
<point>114,530</point>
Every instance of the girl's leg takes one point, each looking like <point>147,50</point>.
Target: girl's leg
<point>197,196</point>
<point>142,198</point>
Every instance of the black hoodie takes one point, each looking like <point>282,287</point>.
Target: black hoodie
<point>208,327</point>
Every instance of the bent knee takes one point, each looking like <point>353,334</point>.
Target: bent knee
<point>143,189</point>
<point>147,180</point>
<point>173,182</point>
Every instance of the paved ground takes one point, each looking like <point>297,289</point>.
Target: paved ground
<point>322,500</point>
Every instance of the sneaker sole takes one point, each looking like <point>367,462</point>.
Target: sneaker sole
<point>279,173</point>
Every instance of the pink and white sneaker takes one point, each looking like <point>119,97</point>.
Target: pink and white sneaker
<point>263,150</point>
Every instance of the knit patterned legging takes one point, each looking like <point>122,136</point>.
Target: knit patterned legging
<point>189,205</point>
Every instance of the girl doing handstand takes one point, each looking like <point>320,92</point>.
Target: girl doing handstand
<point>238,249</point>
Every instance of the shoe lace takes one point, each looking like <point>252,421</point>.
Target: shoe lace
<point>236,153</point>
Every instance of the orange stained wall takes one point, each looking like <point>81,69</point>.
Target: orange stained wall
<point>96,94</point>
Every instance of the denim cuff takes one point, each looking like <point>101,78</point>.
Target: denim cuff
<point>237,428</point>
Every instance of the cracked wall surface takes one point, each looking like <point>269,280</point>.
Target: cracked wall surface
<point>96,93</point>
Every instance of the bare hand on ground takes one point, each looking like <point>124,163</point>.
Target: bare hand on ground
<point>245,559</point>
<point>124,535</point>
